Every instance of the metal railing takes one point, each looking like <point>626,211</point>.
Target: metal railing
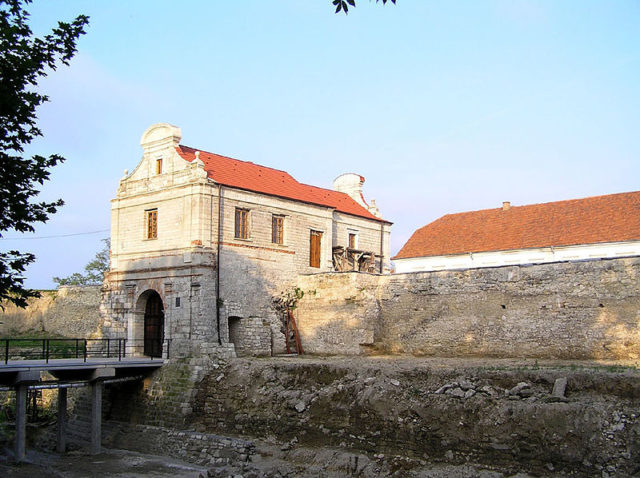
<point>46,349</point>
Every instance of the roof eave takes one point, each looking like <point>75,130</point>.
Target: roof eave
<point>396,257</point>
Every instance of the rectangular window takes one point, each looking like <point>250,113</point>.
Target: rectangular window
<point>152,223</point>
<point>315,247</point>
<point>353,243</point>
<point>159,166</point>
<point>242,223</point>
<point>277,229</point>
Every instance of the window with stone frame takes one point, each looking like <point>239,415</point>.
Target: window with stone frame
<point>277,229</point>
<point>242,223</point>
<point>151,220</point>
<point>159,166</point>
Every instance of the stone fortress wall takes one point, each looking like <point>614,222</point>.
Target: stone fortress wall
<point>569,310</point>
<point>71,311</point>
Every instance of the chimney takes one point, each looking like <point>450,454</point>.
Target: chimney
<point>506,205</point>
<point>351,184</point>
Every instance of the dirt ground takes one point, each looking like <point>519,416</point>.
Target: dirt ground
<point>128,464</point>
<point>112,463</point>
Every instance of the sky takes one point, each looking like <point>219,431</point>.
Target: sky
<point>443,106</point>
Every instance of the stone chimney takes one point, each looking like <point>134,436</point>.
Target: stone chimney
<point>506,205</point>
<point>351,185</point>
<point>373,208</point>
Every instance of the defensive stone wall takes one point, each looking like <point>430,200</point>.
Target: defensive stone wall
<point>571,310</point>
<point>197,447</point>
<point>71,311</point>
<point>252,336</point>
<point>164,399</point>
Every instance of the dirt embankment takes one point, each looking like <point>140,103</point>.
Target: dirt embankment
<point>496,414</point>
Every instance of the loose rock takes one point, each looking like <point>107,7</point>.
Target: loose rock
<point>518,388</point>
<point>559,387</point>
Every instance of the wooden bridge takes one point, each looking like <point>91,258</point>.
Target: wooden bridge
<point>30,364</point>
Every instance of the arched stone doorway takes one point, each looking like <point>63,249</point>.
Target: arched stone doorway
<point>153,324</point>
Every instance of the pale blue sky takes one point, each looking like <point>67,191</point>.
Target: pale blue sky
<point>443,106</point>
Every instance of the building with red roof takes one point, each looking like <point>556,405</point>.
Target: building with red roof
<point>202,244</point>
<point>577,229</point>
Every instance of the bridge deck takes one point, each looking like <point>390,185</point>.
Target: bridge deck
<point>72,370</point>
<point>79,363</point>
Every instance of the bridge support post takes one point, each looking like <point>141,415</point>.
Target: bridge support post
<point>21,384</point>
<point>96,417</point>
<point>62,420</point>
<point>21,421</point>
<point>96,406</point>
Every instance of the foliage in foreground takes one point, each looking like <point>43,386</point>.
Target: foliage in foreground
<point>24,59</point>
<point>343,5</point>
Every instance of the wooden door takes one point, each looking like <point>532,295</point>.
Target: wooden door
<point>315,248</point>
<point>153,326</point>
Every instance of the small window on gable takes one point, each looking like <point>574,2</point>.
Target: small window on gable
<point>159,166</point>
<point>151,219</point>
<point>242,223</point>
<point>277,229</point>
<point>353,240</point>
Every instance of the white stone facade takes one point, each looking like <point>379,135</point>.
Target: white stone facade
<point>206,277</point>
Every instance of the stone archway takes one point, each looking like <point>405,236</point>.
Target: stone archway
<point>150,331</point>
<point>153,326</point>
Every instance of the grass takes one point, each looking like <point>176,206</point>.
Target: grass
<point>32,345</point>
<point>33,334</point>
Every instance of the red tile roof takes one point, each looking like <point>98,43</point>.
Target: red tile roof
<point>611,218</point>
<point>254,177</point>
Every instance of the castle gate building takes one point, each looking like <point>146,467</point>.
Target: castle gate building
<point>201,244</point>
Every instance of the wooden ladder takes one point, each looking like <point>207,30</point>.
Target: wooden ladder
<point>291,334</point>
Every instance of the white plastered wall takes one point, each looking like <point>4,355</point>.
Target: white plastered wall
<point>519,256</point>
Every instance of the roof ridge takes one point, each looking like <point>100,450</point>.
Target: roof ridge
<point>598,196</point>
<point>235,159</point>
<point>512,206</point>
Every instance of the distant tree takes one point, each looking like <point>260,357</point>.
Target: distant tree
<point>343,5</point>
<point>24,59</point>
<point>94,270</point>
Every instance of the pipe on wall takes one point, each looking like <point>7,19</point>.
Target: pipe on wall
<point>218,262</point>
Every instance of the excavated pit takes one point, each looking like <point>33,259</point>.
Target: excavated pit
<point>499,415</point>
